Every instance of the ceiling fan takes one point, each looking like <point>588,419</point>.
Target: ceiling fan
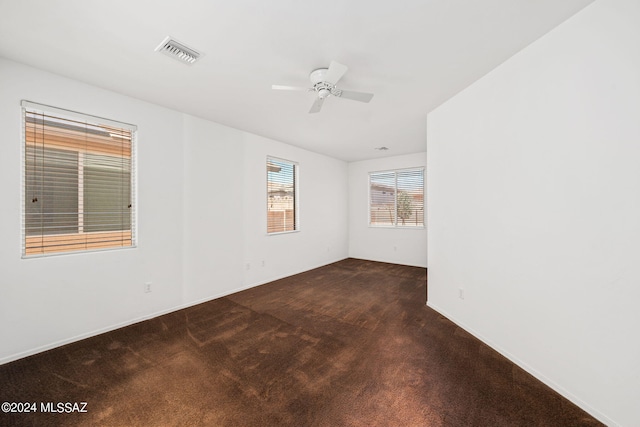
<point>324,85</point>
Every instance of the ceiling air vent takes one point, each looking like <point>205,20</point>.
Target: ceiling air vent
<point>176,50</point>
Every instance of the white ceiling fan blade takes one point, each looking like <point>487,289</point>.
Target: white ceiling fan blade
<point>335,72</point>
<point>356,96</point>
<point>317,105</point>
<point>283,87</point>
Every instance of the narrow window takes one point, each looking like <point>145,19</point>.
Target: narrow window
<point>282,196</point>
<point>78,182</point>
<point>396,198</point>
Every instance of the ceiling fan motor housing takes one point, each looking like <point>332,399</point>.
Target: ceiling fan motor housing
<point>322,88</point>
<point>317,76</point>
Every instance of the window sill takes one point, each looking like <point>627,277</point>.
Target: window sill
<point>394,227</point>
<point>279,233</point>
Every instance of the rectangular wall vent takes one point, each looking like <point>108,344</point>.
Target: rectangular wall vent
<point>177,50</point>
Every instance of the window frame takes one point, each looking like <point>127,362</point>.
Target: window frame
<point>296,196</point>
<point>396,224</point>
<point>90,120</point>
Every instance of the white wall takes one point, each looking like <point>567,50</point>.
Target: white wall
<point>228,249</point>
<point>534,207</point>
<point>44,301</point>
<point>322,238</point>
<point>394,245</point>
<point>189,248</point>
<point>213,209</point>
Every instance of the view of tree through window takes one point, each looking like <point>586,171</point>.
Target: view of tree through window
<point>281,196</point>
<point>396,198</point>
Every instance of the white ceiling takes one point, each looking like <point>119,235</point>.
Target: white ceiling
<point>413,54</point>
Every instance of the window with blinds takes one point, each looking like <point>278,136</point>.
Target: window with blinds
<point>396,198</point>
<point>78,187</point>
<point>282,196</point>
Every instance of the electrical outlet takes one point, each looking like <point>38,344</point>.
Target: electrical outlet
<point>263,263</point>
<point>248,266</point>
<point>460,293</point>
<point>147,287</point>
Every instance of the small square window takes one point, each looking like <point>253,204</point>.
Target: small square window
<point>396,198</point>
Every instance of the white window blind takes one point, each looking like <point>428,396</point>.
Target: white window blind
<point>282,196</point>
<point>396,198</point>
<point>79,182</point>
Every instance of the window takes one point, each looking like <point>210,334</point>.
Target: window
<point>396,198</point>
<point>78,190</point>
<point>282,196</point>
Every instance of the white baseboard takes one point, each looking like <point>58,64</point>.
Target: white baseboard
<point>153,315</point>
<point>556,387</point>
<point>388,262</point>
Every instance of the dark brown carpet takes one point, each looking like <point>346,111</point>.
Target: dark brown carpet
<point>349,344</point>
